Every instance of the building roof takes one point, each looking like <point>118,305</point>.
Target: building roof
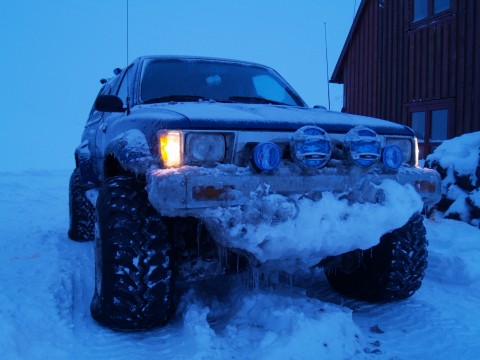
<point>337,75</point>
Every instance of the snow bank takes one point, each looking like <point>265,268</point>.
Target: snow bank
<point>458,162</point>
<point>454,253</point>
<point>270,326</point>
<point>460,155</point>
<point>301,232</point>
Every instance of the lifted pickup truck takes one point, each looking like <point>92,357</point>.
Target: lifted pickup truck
<point>172,144</point>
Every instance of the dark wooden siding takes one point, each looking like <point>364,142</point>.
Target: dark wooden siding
<point>388,64</point>
<point>362,65</point>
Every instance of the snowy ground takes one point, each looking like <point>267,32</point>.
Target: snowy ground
<point>46,282</point>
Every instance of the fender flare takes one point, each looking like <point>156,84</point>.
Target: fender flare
<point>131,150</point>
<point>84,162</point>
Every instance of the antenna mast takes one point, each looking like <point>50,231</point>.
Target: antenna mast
<point>126,69</point>
<point>326,58</point>
<point>127,32</point>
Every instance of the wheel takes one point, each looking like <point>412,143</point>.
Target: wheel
<point>134,274</point>
<point>81,210</point>
<point>391,270</point>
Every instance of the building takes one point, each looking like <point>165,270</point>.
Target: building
<point>415,62</point>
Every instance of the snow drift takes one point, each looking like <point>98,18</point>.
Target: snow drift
<point>458,162</point>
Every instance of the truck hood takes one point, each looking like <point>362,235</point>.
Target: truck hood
<point>238,116</point>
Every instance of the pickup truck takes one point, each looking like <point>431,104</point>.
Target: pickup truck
<point>184,159</point>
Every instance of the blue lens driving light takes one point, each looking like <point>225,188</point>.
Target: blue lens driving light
<point>392,157</point>
<point>365,153</point>
<point>364,146</point>
<point>266,156</point>
<point>310,147</point>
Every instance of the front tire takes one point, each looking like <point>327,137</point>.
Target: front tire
<point>134,267</point>
<point>391,270</point>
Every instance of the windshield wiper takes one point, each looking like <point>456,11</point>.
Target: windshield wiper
<point>254,100</point>
<point>174,98</point>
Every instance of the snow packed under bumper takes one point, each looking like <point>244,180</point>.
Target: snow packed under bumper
<point>188,190</point>
<point>290,220</point>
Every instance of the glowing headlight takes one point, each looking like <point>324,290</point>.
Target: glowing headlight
<point>405,145</point>
<point>170,144</point>
<point>364,145</point>
<point>392,157</point>
<point>266,156</point>
<point>310,147</point>
<point>204,148</point>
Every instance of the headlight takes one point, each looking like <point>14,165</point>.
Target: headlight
<point>405,145</point>
<point>204,148</point>
<point>363,145</point>
<point>310,147</point>
<point>170,145</point>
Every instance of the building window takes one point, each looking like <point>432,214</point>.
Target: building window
<point>426,9</point>
<point>420,9</point>
<point>430,124</point>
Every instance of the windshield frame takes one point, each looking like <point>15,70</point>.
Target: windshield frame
<point>237,68</point>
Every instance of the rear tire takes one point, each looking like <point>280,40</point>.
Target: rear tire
<point>81,210</point>
<point>134,266</point>
<point>391,270</point>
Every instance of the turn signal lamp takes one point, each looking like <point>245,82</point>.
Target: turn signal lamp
<point>170,144</point>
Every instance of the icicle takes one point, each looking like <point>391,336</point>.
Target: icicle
<point>199,236</point>
<point>255,271</point>
<point>222,258</point>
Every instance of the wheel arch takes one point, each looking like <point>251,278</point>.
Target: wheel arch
<point>84,164</point>
<point>128,153</point>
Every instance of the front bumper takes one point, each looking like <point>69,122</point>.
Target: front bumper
<point>190,190</point>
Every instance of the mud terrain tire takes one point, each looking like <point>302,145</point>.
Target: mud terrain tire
<point>134,274</point>
<point>81,210</point>
<point>391,270</point>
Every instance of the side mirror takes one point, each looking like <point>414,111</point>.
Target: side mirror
<point>109,103</point>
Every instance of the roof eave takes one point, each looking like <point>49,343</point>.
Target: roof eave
<point>337,75</point>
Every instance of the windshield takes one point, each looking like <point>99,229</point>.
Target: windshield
<point>192,80</point>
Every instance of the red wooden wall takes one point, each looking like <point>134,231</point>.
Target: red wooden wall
<point>389,64</point>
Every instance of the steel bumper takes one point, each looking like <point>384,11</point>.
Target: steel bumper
<point>184,191</point>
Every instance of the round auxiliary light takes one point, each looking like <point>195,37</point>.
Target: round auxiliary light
<point>363,145</point>
<point>310,147</point>
<point>266,156</point>
<point>392,157</point>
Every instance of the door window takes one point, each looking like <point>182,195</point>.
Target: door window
<point>430,124</point>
